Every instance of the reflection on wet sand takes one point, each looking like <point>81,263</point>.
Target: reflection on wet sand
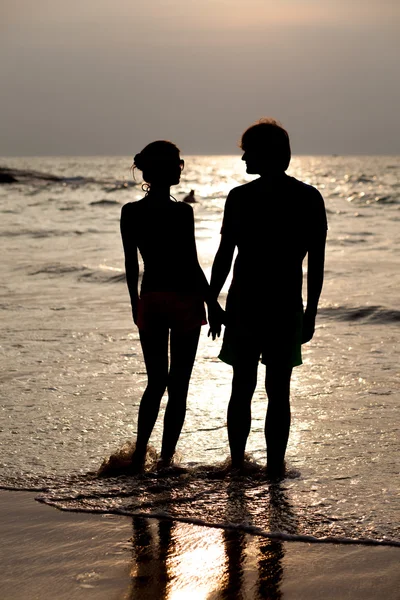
<point>176,561</point>
<point>149,573</point>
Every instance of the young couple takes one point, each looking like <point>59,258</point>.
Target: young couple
<point>274,222</point>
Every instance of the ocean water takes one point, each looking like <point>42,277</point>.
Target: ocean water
<point>73,372</point>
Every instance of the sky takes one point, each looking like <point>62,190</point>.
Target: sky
<point>101,77</point>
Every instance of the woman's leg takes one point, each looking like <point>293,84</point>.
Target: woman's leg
<point>277,422</point>
<point>183,352</point>
<point>239,409</point>
<point>155,352</point>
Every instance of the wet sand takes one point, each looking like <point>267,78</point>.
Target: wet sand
<point>48,554</point>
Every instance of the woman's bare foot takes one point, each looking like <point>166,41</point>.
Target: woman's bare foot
<point>170,466</point>
<point>137,463</point>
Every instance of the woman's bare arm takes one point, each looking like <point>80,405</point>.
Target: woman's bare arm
<point>215,312</point>
<point>131,259</point>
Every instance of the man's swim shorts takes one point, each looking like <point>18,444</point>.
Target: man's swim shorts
<point>277,343</point>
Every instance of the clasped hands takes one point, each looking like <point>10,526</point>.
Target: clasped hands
<point>216,317</point>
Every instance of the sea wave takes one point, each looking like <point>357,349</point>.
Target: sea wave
<point>242,527</point>
<point>215,498</point>
<point>47,233</point>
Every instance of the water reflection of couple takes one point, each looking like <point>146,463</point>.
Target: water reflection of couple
<point>274,222</point>
<point>178,558</point>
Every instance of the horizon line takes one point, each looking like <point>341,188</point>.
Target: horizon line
<point>330,154</point>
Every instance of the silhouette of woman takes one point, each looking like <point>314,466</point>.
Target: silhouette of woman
<point>170,309</point>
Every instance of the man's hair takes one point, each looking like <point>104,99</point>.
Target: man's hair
<point>270,139</point>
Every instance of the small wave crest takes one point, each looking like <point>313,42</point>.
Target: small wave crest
<point>372,198</point>
<point>366,314</point>
<point>30,177</point>
<point>35,233</point>
<point>104,202</point>
<point>101,274</point>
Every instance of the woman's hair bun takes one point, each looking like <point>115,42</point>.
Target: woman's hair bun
<point>154,153</point>
<point>138,162</point>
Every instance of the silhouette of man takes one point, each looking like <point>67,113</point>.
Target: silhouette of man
<point>274,222</point>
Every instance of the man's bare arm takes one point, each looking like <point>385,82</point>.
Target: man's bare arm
<point>315,279</point>
<point>222,265</point>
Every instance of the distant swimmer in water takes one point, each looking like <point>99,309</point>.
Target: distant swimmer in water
<point>273,222</point>
<point>169,311</point>
<point>190,199</point>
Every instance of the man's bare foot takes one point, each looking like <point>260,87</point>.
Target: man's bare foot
<point>163,463</point>
<point>237,464</point>
<point>276,472</point>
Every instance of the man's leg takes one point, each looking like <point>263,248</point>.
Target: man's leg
<point>239,410</point>
<point>277,422</point>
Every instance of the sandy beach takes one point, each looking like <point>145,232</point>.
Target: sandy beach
<point>49,554</point>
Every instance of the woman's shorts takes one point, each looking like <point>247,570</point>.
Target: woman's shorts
<point>277,343</point>
<point>173,310</point>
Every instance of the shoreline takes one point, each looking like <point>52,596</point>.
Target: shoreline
<point>51,554</point>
